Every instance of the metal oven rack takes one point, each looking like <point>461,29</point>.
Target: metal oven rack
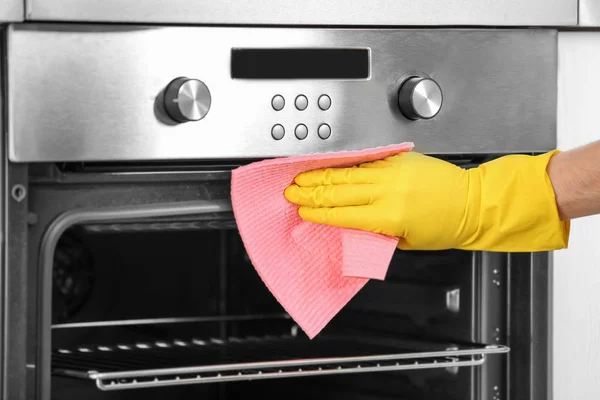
<point>194,361</point>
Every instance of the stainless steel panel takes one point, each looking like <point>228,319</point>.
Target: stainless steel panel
<point>3,162</point>
<point>16,369</point>
<point>91,93</point>
<point>11,10</point>
<point>311,12</point>
<point>589,12</point>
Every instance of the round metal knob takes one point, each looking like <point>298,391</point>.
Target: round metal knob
<point>187,99</point>
<point>420,98</point>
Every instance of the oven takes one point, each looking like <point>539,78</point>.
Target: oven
<point>125,275</point>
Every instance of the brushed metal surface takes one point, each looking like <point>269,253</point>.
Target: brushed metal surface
<point>420,98</point>
<point>576,288</point>
<point>12,10</point>
<point>94,93</point>
<point>427,99</point>
<point>310,12</point>
<point>3,263</point>
<point>589,12</point>
<point>187,100</point>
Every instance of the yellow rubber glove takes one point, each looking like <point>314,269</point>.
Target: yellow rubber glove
<point>507,204</point>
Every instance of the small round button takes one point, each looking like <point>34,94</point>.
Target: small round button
<point>301,102</point>
<point>301,131</point>
<point>278,102</point>
<point>277,131</point>
<point>324,102</point>
<point>324,131</point>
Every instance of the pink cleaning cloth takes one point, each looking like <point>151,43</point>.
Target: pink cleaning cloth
<point>313,270</point>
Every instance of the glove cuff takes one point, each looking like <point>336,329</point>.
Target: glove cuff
<point>517,206</point>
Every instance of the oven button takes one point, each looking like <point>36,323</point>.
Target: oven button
<point>301,102</point>
<point>324,131</point>
<point>277,132</point>
<point>324,102</point>
<point>420,98</point>
<point>278,102</point>
<point>301,131</point>
<point>187,99</point>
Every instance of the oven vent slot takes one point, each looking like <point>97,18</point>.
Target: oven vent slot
<point>211,221</point>
<point>217,164</point>
<point>194,361</point>
<point>151,167</point>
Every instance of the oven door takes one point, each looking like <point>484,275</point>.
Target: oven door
<point>144,289</point>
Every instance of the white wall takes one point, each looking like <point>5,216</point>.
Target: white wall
<point>576,298</point>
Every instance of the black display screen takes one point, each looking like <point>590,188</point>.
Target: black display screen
<point>300,63</point>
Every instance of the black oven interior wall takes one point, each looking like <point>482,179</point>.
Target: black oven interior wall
<point>189,280</point>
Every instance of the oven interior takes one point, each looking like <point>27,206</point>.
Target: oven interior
<point>168,304</point>
<point>183,293</point>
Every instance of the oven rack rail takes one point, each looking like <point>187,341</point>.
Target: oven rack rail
<point>194,361</point>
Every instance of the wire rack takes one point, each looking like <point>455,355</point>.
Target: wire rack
<point>194,361</point>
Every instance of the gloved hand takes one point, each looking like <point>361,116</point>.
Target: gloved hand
<point>507,204</point>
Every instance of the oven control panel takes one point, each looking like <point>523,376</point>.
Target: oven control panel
<point>105,93</point>
<point>188,100</point>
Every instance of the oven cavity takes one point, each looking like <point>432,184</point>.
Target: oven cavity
<point>165,297</point>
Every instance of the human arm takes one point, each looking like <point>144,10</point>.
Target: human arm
<point>575,176</point>
<point>507,204</point>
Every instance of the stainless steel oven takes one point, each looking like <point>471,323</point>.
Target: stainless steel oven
<point>125,275</point>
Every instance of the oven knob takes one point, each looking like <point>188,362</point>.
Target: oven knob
<point>187,100</point>
<point>420,98</point>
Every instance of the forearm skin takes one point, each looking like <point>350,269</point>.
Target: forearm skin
<point>575,177</point>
